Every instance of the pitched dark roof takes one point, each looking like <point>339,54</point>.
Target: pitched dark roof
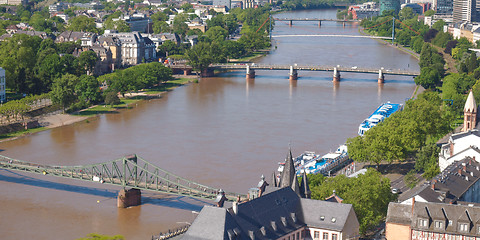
<point>270,216</point>
<point>288,172</point>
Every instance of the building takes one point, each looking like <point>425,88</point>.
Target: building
<point>457,183</point>
<point>277,213</point>
<point>443,7</point>
<point>389,5</point>
<point>3,96</point>
<point>417,8</point>
<point>226,3</point>
<point>115,46</point>
<point>365,10</point>
<point>423,221</point>
<point>137,22</point>
<point>14,2</point>
<point>465,143</point>
<point>135,48</point>
<point>465,11</point>
<point>86,38</point>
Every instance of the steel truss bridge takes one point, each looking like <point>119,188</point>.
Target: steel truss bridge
<point>318,68</point>
<point>130,171</point>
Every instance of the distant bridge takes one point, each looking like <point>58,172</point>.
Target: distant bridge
<point>329,35</point>
<point>319,20</point>
<point>130,171</point>
<point>318,68</point>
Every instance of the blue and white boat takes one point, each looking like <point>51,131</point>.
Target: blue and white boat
<point>382,112</point>
<point>313,163</point>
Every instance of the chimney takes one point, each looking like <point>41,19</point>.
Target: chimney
<point>459,171</point>
<point>235,208</point>
<point>470,161</point>
<point>413,204</point>
<point>220,198</point>
<point>464,168</point>
<point>433,184</point>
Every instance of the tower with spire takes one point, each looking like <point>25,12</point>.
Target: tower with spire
<point>288,178</point>
<point>469,113</point>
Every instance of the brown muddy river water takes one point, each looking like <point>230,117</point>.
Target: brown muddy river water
<point>223,132</point>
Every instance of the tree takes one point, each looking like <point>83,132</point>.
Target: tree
<point>111,98</point>
<point>88,90</point>
<point>438,25</point>
<point>203,54</point>
<point>179,26</point>
<point>429,78</point>
<point>216,34</point>
<point>87,61</point>
<point>429,13</point>
<point>161,27</point>
<point>426,160</point>
<point>63,90</point>
<point>406,13</point>
<point>82,23</point>
<point>369,194</point>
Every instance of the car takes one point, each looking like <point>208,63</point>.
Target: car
<point>396,191</point>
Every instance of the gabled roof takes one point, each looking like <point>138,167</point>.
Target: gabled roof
<point>270,216</point>
<point>334,215</point>
<point>464,134</point>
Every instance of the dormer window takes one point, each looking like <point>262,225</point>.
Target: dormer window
<point>463,227</point>
<point>422,222</point>
<point>438,224</point>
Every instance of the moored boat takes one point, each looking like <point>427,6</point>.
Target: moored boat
<point>313,163</point>
<point>383,111</point>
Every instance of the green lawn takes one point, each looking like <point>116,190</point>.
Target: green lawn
<point>169,85</point>
<point>20,133</point>
<point>101,109</point>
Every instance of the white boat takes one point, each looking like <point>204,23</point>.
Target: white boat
<point>313,163</point>
<point>382,112</point>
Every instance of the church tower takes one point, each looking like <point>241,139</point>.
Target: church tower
<point>469,113</point>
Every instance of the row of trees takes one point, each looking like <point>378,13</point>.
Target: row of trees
<point>31,64</point>
<point>79,92</point>
<point>400,136</point>
<point>17,109</point>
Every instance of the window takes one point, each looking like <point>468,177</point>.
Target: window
<point>438,224</point>
<point>422,222</point>
<point>316,235</point>
<point>463,227</point>
<point>334,236</point>
<point>298,235</point>
<point>325,236</point>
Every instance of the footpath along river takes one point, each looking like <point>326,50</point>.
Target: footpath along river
<point>223,132</point>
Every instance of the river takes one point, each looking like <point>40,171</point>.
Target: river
<point>224,132</point>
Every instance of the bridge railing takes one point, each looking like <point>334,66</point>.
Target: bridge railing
<point>132,172</point>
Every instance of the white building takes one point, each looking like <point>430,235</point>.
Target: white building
<point>465,143</point>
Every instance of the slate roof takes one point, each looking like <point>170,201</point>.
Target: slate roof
<point>448,214</point>
<point>270,216</point>
<point>451,184</point>
<point>288,172</point>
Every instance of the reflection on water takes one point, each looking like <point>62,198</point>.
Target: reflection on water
<point>224,132</point>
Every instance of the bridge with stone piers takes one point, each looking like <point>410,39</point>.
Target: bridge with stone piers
<point>319,20</point>
<point>293,70</point>
<point>130,171</point>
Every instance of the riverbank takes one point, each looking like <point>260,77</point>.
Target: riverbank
<point>55,120</point>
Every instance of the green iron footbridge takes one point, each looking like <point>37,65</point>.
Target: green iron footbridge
<point>130,171</point>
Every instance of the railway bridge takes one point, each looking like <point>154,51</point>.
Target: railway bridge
<point>130,171</point>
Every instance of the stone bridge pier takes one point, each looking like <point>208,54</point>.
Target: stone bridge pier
<point>293,74</point>
<point>127,198</point>
<point>250,73</point>
<point>336,75</point>
<point>319,23</point>
<point>381,77</point>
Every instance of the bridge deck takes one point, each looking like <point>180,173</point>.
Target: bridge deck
<point>318,68</point>
<point>123,172</point>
